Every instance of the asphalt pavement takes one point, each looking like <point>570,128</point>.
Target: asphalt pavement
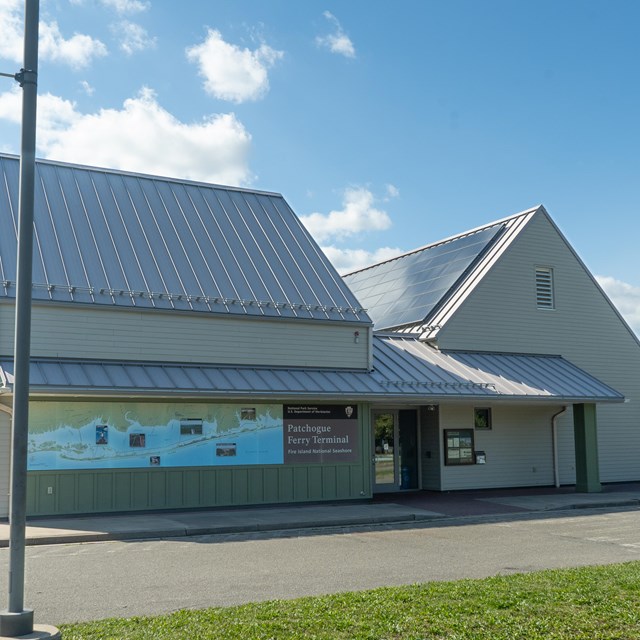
<point>404,507</point>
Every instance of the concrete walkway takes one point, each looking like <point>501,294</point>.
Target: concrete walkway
<point>416,506</point>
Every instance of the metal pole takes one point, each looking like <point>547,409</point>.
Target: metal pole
<point>20,621</point>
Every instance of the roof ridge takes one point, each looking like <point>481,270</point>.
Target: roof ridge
<point>146,176</point>
<point>448,239</point>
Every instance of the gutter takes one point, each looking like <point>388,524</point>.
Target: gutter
<point>554,445</point>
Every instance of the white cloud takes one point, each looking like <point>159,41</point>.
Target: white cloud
<point>141,136</point>
<point>77,51</point>
<point>87,88</point>
<point>338,41</point>
<point>133,37</point>
<point>346,260</point>
<point>54,113</point>
<point>119,6</point>
<point>392,191</point>
<point>357,215</point>
<point>11,43</point>
<point>126,6</point>
<point>626,297</point>
<point>231,73</point>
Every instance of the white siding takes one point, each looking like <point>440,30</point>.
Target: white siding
<point>501,315</point>
<point>5,462</point>
<point>518,446</point>
<point>109,334</point>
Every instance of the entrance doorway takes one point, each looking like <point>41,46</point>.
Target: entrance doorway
<point>395,450</point>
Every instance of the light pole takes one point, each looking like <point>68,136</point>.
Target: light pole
<point>17,621</point>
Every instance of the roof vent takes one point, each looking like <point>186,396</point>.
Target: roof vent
<point>544,288</point>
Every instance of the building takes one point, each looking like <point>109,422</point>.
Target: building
<point>193,347</point>
<point>516,286</point>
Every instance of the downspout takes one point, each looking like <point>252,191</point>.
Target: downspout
<point>554,444</point>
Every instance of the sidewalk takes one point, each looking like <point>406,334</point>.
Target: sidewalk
<point>417,506</point>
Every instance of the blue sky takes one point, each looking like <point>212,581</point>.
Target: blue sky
<point>386,125</point>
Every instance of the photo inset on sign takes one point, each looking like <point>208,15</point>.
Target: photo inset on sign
<point>102,434</point>
<point>191,426</point>
<point>226,449</point>
<point>137,440</point>
<point>248,414</point>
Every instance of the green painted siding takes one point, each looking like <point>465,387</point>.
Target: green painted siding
<point>586,438</point>
<point>126,490</point>
<point>431,448</point>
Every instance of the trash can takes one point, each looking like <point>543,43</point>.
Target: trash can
<point>405,478</point>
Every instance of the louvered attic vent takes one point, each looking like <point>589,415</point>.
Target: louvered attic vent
<point>544,288</point>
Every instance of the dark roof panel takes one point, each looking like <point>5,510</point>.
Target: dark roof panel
<point>405,290</point>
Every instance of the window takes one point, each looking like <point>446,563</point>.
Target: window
<point>544,288</point>
<point>482,418</point>
<point>458,446</point>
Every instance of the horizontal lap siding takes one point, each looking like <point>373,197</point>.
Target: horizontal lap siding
<point>566,447</point>
<point>117,334</point>
<point>501,315</point>
<point>518,448</point>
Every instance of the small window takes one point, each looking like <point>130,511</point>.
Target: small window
<point>482,418</point>
<point>544,288</point>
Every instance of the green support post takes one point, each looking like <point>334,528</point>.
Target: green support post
<point>585,429</point>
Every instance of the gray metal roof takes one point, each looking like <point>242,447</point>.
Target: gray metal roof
<point>405,361</point>
<point>405,370</point>
<point>124,239</point>
<point>407,292</point>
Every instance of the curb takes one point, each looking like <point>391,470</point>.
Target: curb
<point>261,527</point>
<point>633,502</point>
<point>188,532</point>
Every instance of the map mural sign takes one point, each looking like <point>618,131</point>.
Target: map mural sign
<point>320,433</point>
<point>106,435</point>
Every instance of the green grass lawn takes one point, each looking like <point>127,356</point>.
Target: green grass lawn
<point>588,603</point>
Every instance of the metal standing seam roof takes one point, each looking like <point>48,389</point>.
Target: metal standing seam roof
<point>405,369</point>
<point>416,291</point>
<point>116,238</point>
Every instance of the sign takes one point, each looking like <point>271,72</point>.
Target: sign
<point>127,434</point>
<point>320,433</point>
<point>108,435</point>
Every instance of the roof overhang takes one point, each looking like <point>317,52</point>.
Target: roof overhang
<point>406,371</point>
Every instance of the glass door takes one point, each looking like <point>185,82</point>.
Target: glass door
<point>395,450</point>
<point>385,456</point>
